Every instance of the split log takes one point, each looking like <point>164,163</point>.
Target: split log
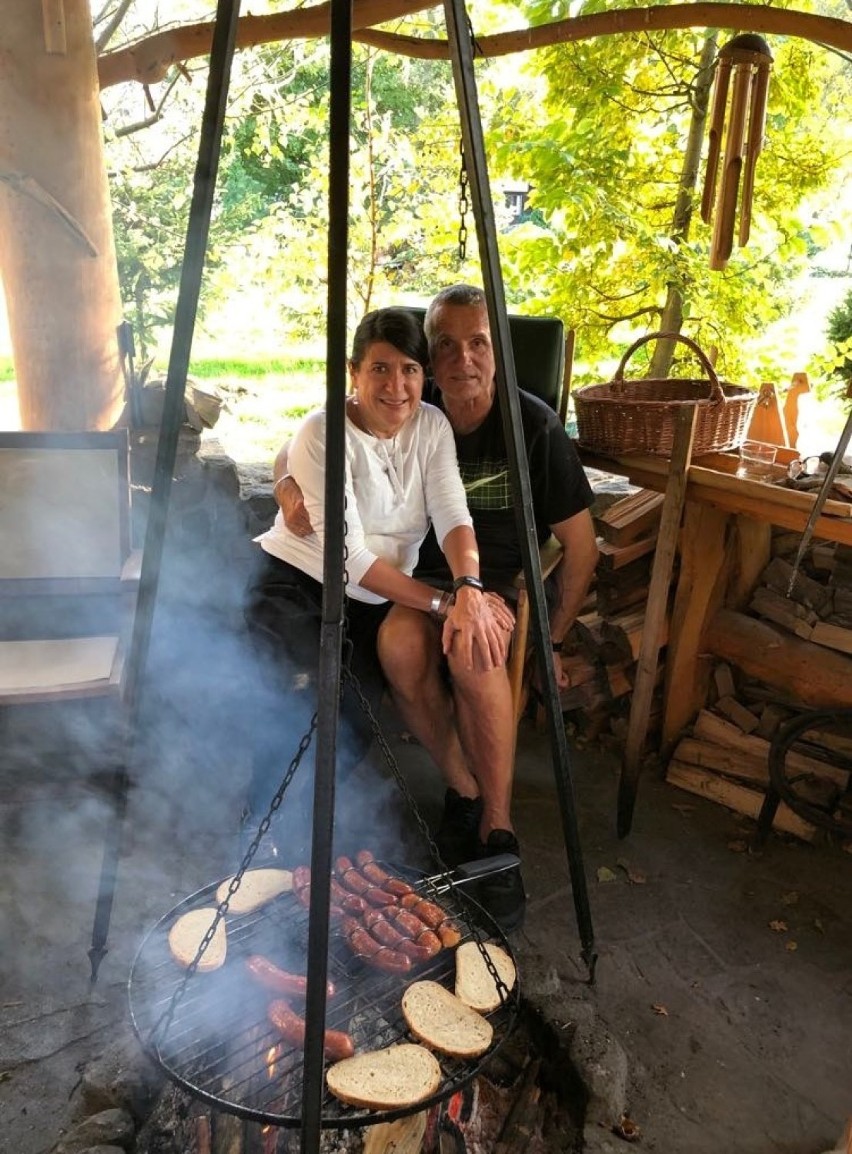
<point>832,637</point>
<point>710,727</point>
<point>809,673</point>
<point>737,713</point>
<point>722,759</point>
<point>404,1136</point>
<point>805,590</point>
<point>631,517</point>
<point>790,615</point>
<point>616,556</point>
<point>723,679</point>
<point>737,797</point>
<point>622,636</point>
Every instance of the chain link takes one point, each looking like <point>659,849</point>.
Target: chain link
<point>464,205</point>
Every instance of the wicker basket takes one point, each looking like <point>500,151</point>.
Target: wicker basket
<point>638,416</point>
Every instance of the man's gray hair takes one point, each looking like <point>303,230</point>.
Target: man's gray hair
<point>456,294</point>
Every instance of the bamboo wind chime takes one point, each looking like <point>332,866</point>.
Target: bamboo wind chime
<point>749,59</point>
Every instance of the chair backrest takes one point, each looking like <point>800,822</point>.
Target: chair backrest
<point>538,349</point>
<point>64,511</point>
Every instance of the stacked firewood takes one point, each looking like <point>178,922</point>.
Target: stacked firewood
<point>600,651</point>
<point>785,655</point>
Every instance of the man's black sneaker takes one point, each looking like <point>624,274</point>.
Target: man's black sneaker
<point>502,894</point>
<point>457,837</point>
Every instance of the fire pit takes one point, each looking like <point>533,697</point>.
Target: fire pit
<point>210,1034</point>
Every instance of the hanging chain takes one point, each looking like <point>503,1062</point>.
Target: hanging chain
<point>464,205</point>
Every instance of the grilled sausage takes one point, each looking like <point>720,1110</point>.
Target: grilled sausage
<point>382,930</point>
<point>279,981</point>
<point>364,945</point>
<point>378,897</point>
<point>353,904</point>
<point>424,949</point>
<point>336,1044</point>
<point>428,912</point>
<point>449,933</point>
<point>374,873</point>
<point>409,923</point>
<point>350,876</point>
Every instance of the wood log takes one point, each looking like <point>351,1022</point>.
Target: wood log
<point>737,797</point>
<point>782,611</point>
<point>622,636</point>
<point>805,590</point>
<point>616,556</point>
<point>710,727</point>
<point>741,717</point>
<point>723,679</point>
<point>832,637</point>
<point>809,673</point>
<point>630,518</point>
<point>404,1136</point>
<point>722,759</point>
<point>612,600</point>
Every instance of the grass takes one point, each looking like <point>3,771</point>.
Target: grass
<point>212,368</point>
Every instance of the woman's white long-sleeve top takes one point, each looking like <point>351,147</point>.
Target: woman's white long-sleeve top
<point>394,488</point>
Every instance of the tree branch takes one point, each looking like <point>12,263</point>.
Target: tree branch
<point>148,60</point>
<point>824,30</point>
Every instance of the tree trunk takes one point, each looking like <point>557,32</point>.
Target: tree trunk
<point>672,317</point>
<point>57,253</point>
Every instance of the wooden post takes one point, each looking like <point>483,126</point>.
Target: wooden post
<point>701,582</point>
<point>655,615</point>
<point>799,385</point>
<point>752,549</point>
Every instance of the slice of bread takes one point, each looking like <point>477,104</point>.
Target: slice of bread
<point>443,1022</point>
<point>400,1075</point>
<point>475,984</point>
<point>256,889</point>
<point>185,938</point>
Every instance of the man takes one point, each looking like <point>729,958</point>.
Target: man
<point>466,723</point>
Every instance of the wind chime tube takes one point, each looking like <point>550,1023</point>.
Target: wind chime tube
<point>726,207</point>
<point>717,124</point>
<point>754,146</point>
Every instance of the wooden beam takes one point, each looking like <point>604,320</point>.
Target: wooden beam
<point>751,552</point>
<point>703,570</point>
<point>815,676</point>
<point>655,614</point>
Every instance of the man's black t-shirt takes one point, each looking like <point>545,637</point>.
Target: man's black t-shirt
<point>559,487</point>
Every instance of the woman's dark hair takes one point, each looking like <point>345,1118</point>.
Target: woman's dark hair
<point>396,326</point>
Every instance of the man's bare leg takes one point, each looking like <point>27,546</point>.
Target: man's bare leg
<point>483,703</point>
<point>409,647</point>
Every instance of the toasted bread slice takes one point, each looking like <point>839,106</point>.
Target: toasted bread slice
<point>443,1022</point>
<point>256,889</point>
<point>398,1076</point>
<point>185,938</point>
<point>475,984</point>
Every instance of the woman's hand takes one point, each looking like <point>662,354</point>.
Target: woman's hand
<point>292,504</point>
<point>478,628</point>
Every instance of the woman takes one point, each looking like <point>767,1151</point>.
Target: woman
<point>401,476</point>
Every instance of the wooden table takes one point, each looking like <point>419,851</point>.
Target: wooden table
<point>724,547</point>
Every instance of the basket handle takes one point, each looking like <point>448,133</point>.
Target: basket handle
<point>717,393</point>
